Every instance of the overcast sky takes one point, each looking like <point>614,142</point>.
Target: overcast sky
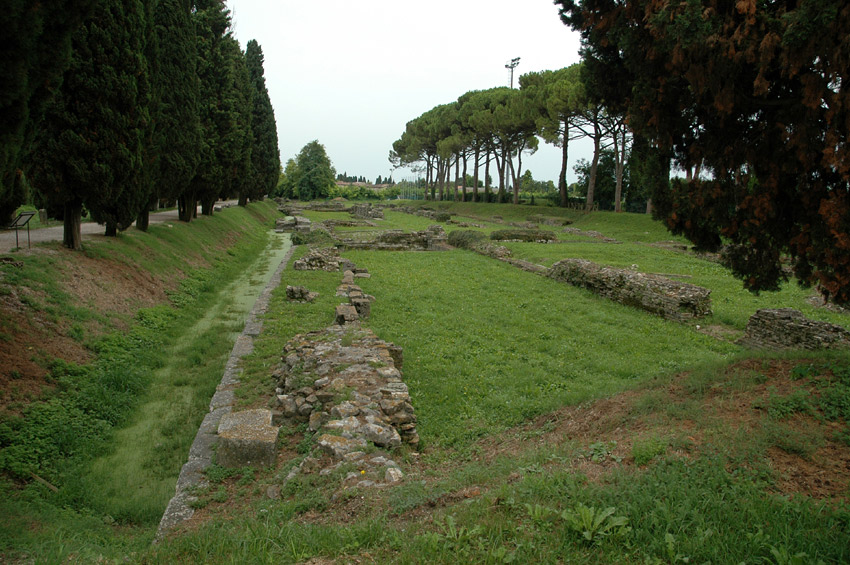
<point>352,74</point>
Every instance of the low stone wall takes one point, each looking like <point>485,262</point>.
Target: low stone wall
<point>346,384</point>
<point>367,211</point>
<point>549,220</point>
<point>532,235</point>
<point>322,259</point>
<point>786,328</point>
<point>298,224</point>
<point>602,238</point>
<point>670,299</point>
<point>432,239</point>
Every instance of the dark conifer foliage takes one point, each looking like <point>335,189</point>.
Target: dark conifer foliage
<point>36,51</point>
<point>757,93</point>
<point>265,156</point>
<point>225,107</point>
<point>236,130</point>
<point>89,148</point>
<point>315,174</point>
<point>175,126</point>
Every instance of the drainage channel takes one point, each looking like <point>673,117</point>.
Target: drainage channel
<point>201,452</point>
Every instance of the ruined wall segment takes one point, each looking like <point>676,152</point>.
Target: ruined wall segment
<point>669,299</point>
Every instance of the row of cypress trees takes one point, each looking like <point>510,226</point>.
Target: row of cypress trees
<point>158,102</point>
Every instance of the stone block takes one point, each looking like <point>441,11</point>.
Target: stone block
<point>346,314</point>
<point>786,328</point>
<point>247,438</point>
<point>656,294</point>
<point>338,446</point>
<point>363,306</point>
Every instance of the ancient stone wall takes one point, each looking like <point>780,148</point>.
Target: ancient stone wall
<point>346,384</point>
<point>367,211</point>
<point>786,328</point>
<point>298,224</point>
<point>432,239</point>
<point>670,299</point>
<point>322,259</point>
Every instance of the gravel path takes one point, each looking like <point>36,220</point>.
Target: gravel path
<point>89,230</point>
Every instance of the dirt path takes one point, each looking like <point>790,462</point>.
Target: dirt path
<point>88,230</point>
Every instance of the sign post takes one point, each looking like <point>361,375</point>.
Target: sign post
<point>22,220</point>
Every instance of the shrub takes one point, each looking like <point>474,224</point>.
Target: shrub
<point>465,239</point>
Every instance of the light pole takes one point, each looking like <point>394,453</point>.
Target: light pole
<point>512,65</point>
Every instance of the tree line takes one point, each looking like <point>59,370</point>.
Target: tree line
<point>494,128</point>
<point>115,105</point>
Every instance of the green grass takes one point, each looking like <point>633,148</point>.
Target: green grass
<point>488,347</point>
<point>114,435</point>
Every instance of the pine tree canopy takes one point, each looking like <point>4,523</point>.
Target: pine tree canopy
<point>756,93</point>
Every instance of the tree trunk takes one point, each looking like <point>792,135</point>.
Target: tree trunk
<point>487,177</point>
<point>143,219</point>
<point>500,168</point>
<point>243,199</point>
<point>207,206</point>
<point>72,236</point>
<point>562,178</point>
<point>463,182</point>
<point>591,184</point>
<point>457,176</point>
<point>475,175</point>
<point>513,177</point>
<point>619,166</point>
<point>649,207</point>
<point>111,228</point>
<point>441,166</point>
<point>186,207</point>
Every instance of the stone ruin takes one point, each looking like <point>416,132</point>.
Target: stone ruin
<point>322,259</point>
<point>300,294</point>
<point>787,328</point>
<point>549,220</point>
<point>367,212</point>
<point>592,234</point>
<point>345,383</point>
<point>669,299</point>
<point>297,224</point>
<point>431,239</point>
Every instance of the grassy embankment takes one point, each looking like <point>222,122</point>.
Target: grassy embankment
<point>558,426</point>
<point>109,437</point>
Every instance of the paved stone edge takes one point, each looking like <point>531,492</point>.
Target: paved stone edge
<point>179,508</point>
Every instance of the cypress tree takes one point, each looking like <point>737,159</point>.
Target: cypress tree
<point>176,123</point>
<point>265,155</point>
<point>89,150</point>
<point>219,109</point>
<point>36,51</point>
<point>236,132</point>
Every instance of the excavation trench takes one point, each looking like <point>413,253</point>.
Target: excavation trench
<point>135,481</point>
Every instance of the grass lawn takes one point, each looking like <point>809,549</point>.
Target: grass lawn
<point>556,426</point>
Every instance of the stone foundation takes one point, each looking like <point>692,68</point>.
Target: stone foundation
<point>367,211</point>
<point>786,328</point>
<point>296,224</point>
<point>432,239</point>
<point>300,294</point>
<point>247,438</point>
<point>669,299</point>
<point>322,259</point>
